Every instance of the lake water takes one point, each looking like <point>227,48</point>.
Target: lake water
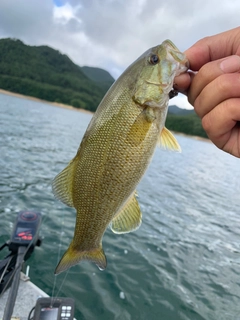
<point>183,262</point>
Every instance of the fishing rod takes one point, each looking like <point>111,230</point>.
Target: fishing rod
<point>25,237</point>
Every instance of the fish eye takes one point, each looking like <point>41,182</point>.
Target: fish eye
<point>153,59</point>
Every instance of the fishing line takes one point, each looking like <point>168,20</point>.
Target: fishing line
<point>58,258</point>
<point>62,282</point>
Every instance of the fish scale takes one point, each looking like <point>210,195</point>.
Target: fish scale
<point>115,152</point>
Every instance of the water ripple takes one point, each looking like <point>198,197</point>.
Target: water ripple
<point>183,263</point>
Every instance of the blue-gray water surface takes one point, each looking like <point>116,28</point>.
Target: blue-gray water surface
<point>183,262</point>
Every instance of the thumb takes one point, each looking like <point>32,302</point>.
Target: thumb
<point>211,71</point>
<point>230,64</point>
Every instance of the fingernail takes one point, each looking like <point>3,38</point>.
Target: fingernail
<point>231,64</point>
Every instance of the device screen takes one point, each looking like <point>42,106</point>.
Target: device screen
<point>49,314</point>
<point>24,234</point>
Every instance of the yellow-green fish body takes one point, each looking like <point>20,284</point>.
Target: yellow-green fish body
<point>116,149</point>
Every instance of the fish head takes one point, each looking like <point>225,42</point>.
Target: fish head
<point>159,66</point>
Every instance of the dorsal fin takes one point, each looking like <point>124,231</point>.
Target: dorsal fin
<point>63,182</point>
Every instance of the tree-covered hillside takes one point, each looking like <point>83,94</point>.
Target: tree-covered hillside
<point>184,121</point>
<point>47,74</point>
<point>100,76</point>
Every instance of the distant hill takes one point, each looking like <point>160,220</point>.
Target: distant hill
<point>47,74</point>
<point>173,109</point>
<point>97,74</point>
<point>184,121</point>
<point>100,76</point>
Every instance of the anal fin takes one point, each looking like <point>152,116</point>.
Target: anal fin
<point>129,218</point>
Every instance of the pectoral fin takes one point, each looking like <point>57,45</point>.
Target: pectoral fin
<point>167,140</point>
<point>129,218</point>
<point>72,257</point>
<point>140,127</point>
<point>62,184</point>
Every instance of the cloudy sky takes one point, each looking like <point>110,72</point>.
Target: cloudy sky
<point>111,34</point>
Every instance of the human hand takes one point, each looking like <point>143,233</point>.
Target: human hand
<point>214,90</point>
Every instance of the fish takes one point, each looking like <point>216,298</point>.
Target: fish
<point>100,181</point>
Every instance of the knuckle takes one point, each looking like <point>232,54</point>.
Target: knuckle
<point>207,123</point>
<point>229,83</point>
<point>191,100</point>
<point>197,106</point>
<point>203,41</point>
<point>224,82</point>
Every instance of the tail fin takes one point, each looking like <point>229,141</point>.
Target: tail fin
<point>72,257</point>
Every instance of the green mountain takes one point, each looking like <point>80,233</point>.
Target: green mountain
<point>179,111</point>
<point>100,76</point>
<point>47,74</point>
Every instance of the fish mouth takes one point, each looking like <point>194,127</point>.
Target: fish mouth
<point>184,65</point>
<point>187,64</point>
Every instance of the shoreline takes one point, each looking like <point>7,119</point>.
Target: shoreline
<point>65,106</point>
<point>190,136</point>
<point>55,104</point>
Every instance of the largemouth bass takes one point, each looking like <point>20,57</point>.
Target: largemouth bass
<point>116,150</point>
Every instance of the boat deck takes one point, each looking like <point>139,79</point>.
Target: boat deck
<point>27,296</point>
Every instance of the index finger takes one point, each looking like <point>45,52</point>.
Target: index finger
<point>213,48</point>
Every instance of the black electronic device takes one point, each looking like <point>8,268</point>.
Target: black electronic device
<point>54,309</point>
<point>25,230</point>
<point>25,237</point>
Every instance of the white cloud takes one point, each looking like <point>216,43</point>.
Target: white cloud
<point>65,13</point>
<point>181,101</point>
<point>112,33</point>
